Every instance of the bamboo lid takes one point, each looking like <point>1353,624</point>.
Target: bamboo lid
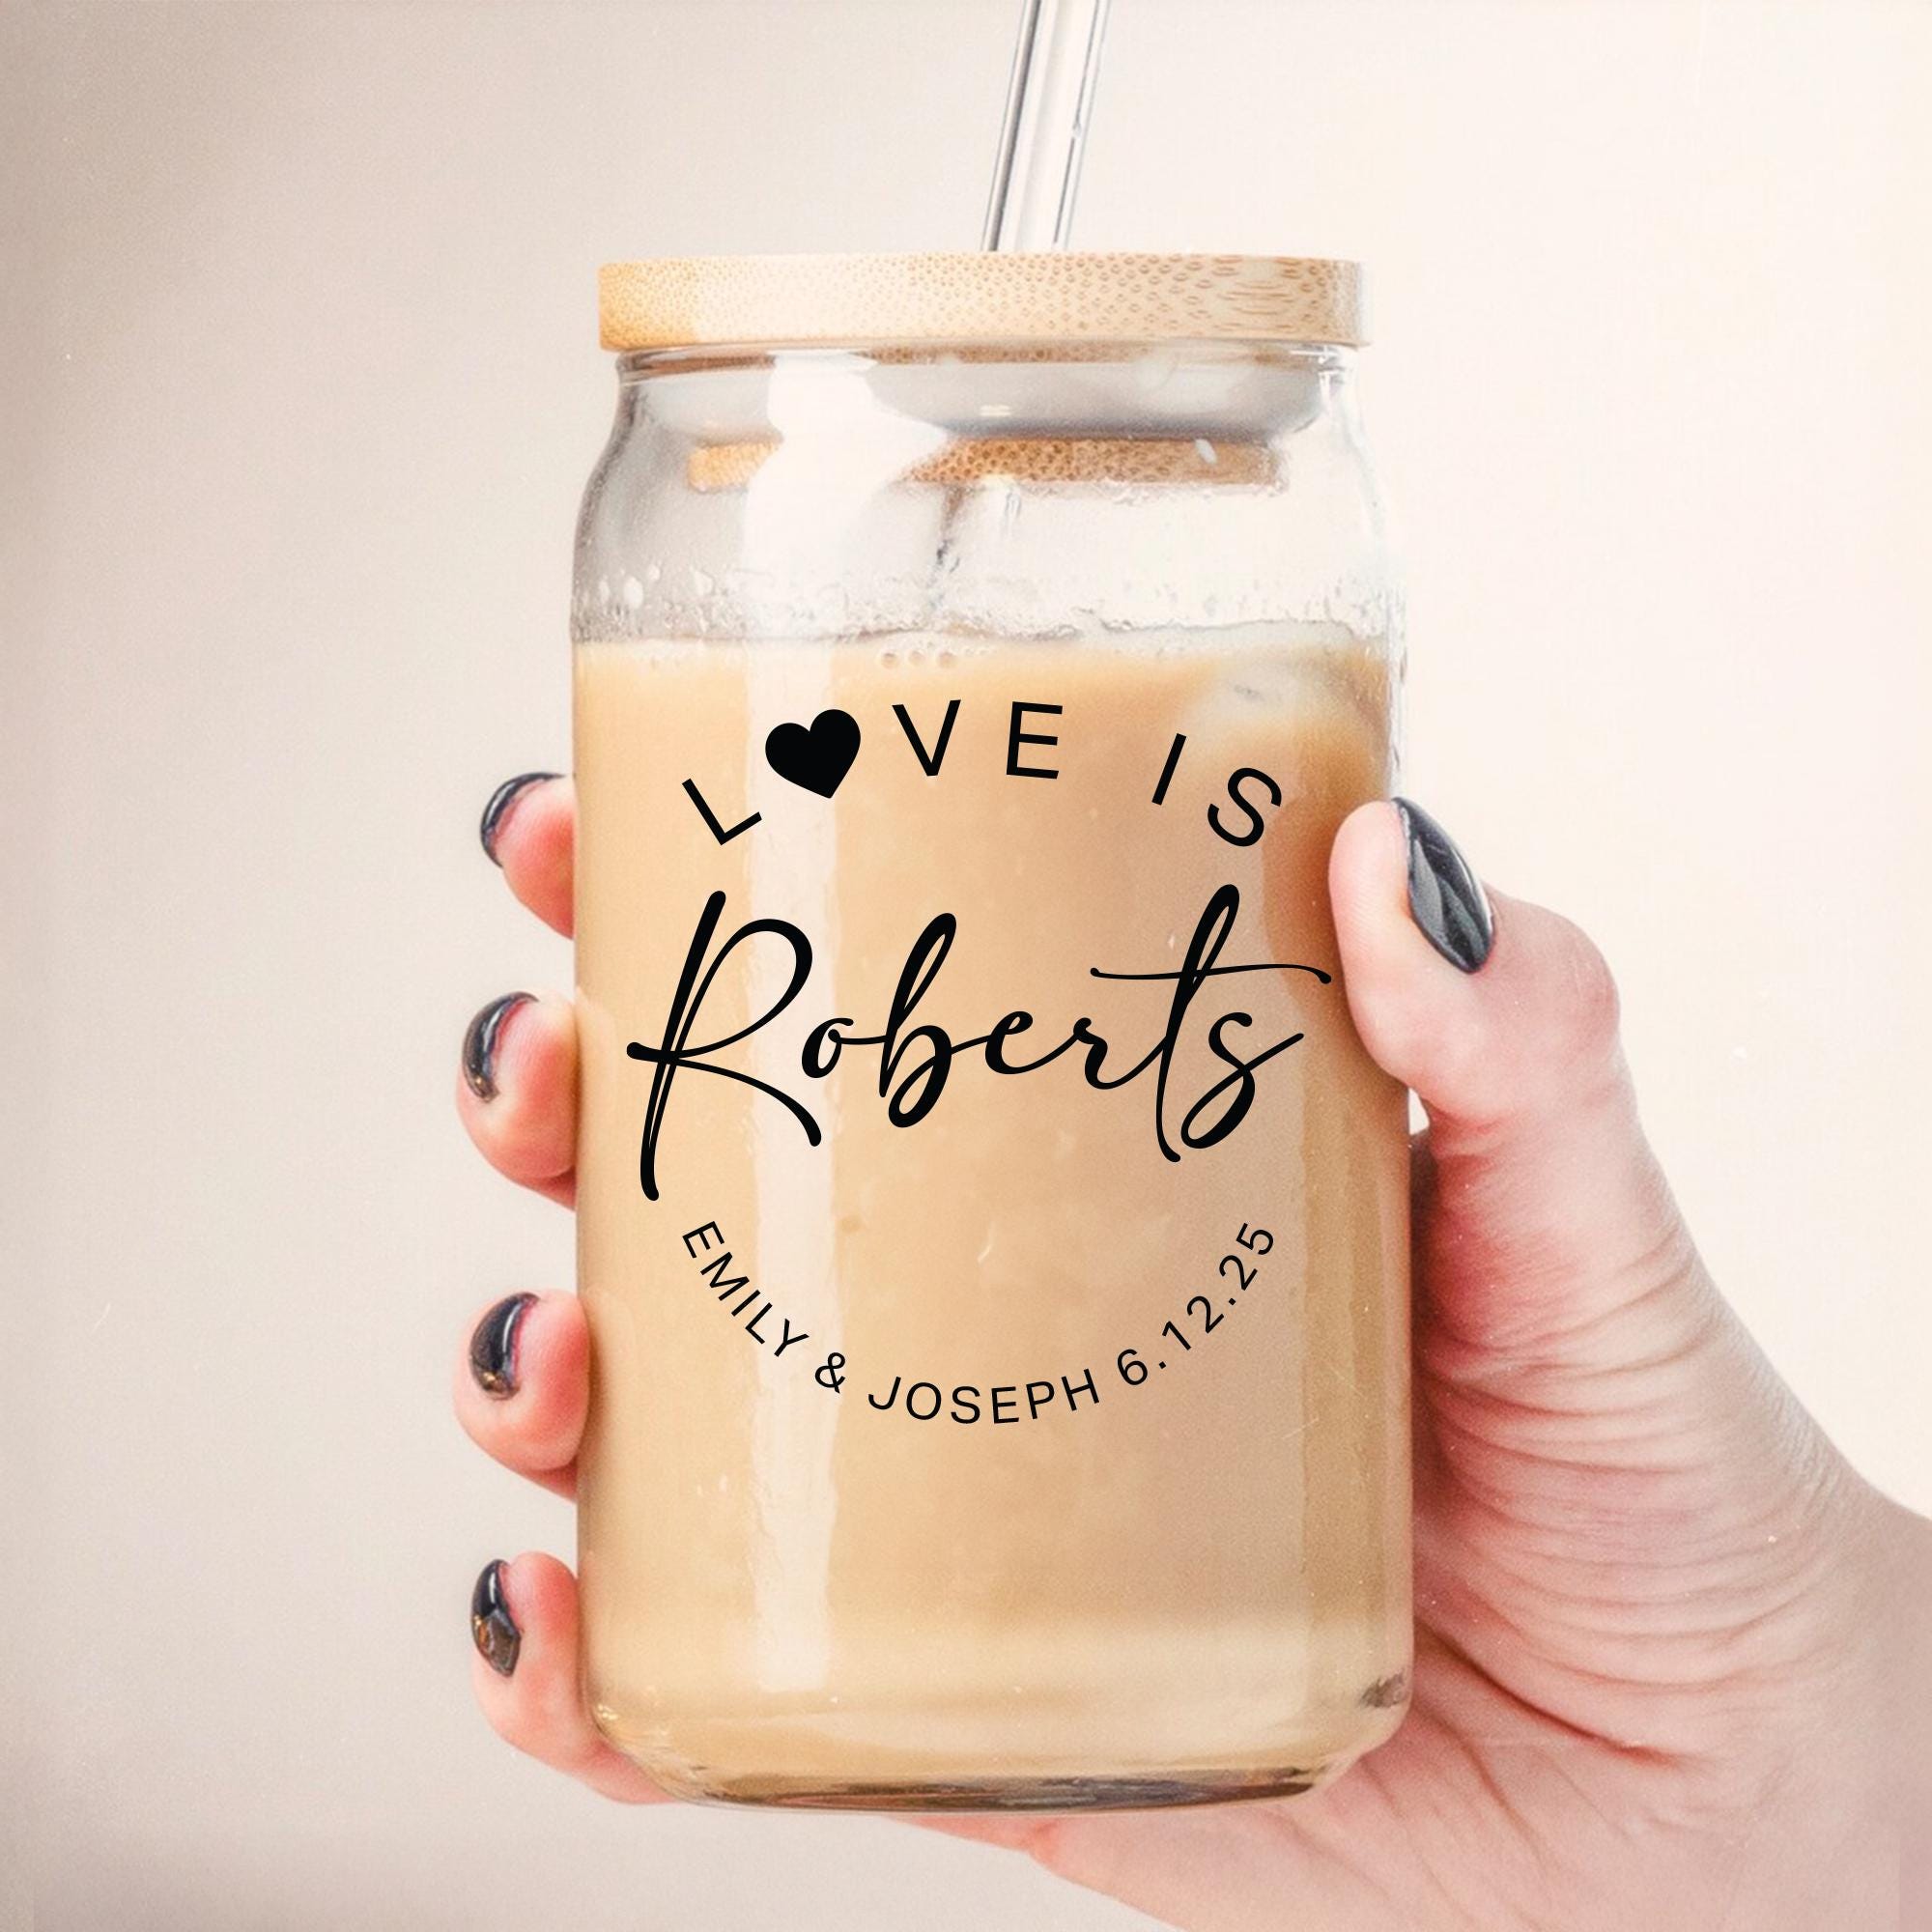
<point>714,300</point>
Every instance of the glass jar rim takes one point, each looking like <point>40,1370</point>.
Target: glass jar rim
<point>698,301</point>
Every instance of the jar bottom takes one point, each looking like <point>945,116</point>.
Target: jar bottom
<point>998,1793</point>
<point>936,1787</point>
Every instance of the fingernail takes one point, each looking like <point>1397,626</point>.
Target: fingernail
<point>497,1637</point>
<point>493,1347</point>
<point>1444,894</point>
<point>479,1043</point>
<point>497,810</point>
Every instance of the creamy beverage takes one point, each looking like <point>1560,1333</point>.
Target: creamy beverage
<point>993,1234</point>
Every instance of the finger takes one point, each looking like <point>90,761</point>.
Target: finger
<point>530,829</point>
<point>1609,1476</point>
<point>522,1386</point>
<point>517,1090</point>
<point>522,1619</point>
<point>1547,1205</point>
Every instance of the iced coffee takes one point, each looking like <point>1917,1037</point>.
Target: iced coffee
<point>993,1234</point>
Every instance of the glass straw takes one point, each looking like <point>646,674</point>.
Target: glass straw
<point>1049,102</point>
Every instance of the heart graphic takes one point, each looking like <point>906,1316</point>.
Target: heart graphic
<point>817,758</point>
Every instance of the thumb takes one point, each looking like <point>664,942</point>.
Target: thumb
<point>1503,1019</point>
<point>1612,1483</point>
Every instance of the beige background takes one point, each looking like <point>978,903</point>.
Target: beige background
<point>299,385</point>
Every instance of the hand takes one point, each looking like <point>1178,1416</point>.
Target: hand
<point>1662,1672</point>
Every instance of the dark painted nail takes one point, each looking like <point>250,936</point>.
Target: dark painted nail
<point>479,1043</point>
<point>1386,1692</point>
<point>1444,894</point>
<point>497,1637</point>
<point>493,1347</point>
<point>502,800</point>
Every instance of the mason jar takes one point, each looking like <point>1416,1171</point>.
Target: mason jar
<point>993,1234</point>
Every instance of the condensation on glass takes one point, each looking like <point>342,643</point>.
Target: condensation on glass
<point>993,1234</point>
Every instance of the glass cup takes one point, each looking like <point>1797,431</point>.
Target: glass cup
<point>993,1234</point>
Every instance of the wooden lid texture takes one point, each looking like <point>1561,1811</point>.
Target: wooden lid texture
<point>1038,298</point>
